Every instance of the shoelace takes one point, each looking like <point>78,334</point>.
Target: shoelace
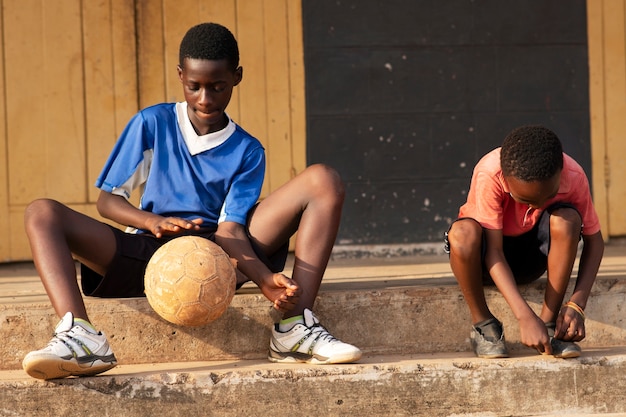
<point>321,333</point>
<point>317,332</point>
<point>65,338</point>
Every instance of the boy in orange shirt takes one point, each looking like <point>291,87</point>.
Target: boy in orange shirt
<point>528,206</point>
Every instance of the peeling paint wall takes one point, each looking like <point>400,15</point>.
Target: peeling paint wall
<point>403,97</point>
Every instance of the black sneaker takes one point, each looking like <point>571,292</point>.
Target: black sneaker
<point>561,348</point>
<point>487,339</point>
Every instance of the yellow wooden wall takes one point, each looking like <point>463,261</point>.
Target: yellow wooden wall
<point>73,72</point>
<point>606,22</point>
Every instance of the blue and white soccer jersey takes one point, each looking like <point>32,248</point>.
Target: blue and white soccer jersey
<point>216,177</point>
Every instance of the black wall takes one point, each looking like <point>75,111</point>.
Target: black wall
<point>404,97</point>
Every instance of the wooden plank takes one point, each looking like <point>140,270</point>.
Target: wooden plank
<point>19,249</point>
<point>179,16</point>
<point>278,140</point>
<point>125,88</point>
<point>597,110</point>
<point>124,62</point>
<point>615,73</point>
<point>297,93</point>
<point>150,48</point>
<point>110,79</point>
<point>99,90</point>
<point>5,238</point>
<point>252,92</point>
<point>223,12</point>
<point>297,102</point>
<point>64,102</point>
<point>44,63</point>
<point>24,38</point>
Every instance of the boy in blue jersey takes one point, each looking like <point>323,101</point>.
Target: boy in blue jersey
<point>202,175</point>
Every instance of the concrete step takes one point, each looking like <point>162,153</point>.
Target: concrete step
<point>407,315</point>
<point>408,385</point>
<point>386,308</point>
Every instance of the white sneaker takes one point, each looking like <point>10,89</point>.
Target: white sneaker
<point>311,343</point>
<point>73,350</point>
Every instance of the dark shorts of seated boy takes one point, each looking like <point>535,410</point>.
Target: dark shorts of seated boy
<point>125,275</point>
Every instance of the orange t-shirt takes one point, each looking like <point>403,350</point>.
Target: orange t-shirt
<point>489,202</point>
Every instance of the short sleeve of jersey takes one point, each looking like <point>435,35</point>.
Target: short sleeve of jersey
<point>245,189</point>
<point>488,198</point>
<point>486,194</point>
<point>579,195</point>
<point>126,156</point>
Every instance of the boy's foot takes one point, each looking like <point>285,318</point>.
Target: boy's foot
<point>310,343</point>
<point>487,339</point>
<point>73,350</point>
<point>561,348</point>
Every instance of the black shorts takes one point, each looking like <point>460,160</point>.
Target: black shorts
<point>125,275</point>
<point>526,254</point>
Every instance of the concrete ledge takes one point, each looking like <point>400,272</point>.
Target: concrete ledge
<point>403,316</point>
<point>430,385</point>
<point>398,315</point>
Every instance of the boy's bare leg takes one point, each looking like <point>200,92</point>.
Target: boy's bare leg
<point>565,224</point>
<point>311,204</point>
<point>55,232</point>
<point>465,238</point>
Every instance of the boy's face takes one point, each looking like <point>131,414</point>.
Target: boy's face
<point>533,193</point>
<point>208,86</point>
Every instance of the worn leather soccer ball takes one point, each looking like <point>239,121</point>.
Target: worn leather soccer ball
<point>190,281</point>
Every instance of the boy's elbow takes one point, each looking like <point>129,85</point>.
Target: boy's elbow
<point>103,204</point>
<point>100,205</point>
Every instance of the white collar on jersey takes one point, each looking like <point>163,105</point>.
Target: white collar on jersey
<point>198,144</point>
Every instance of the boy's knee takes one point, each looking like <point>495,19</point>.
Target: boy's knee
<point>38,210</point>
<point>325,178</point>
<point>465,236</point>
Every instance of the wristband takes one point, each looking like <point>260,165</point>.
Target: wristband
<point>576,308</point>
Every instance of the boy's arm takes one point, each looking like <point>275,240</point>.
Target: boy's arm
<point>589,264</point>
<point>276,287</point>
<point>118,209</point>
<point>590,258</point>
<point>533,331</point>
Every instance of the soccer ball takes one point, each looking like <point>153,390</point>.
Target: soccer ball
<point>190,281</point>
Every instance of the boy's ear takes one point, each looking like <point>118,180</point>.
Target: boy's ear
<point>238,75</point>
<point>180,72</point>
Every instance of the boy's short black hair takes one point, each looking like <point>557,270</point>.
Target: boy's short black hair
<point>210,41</point>
<point>531,153</point>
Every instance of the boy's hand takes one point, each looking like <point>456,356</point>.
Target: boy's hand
<point>534,334</point>
<point>173,225</point>
<point>570,326</point>
<point>282,291</point>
